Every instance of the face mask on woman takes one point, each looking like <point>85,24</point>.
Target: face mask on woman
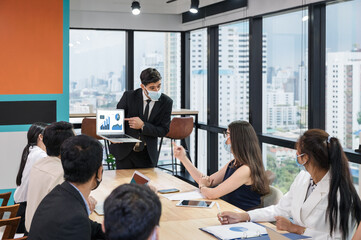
<point>226,146</point>
<point>301,166</point>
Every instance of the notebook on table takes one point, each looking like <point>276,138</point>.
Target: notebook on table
<point>139,178</point>
<point>110,126</point>
<point>249,230</point>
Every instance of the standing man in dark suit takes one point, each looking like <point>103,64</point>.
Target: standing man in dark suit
<point>64,212</point>
<point>147,112</point>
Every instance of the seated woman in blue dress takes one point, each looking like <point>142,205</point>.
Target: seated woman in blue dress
<point>243,180</point>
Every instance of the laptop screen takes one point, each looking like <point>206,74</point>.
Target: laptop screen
<point>110,121</point>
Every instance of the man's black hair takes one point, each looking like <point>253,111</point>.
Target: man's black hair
<point>54,135</point>
<point>81,157</point>
<point>149,75</point>
<point>131,212</point>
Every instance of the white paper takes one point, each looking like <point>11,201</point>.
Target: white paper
<point>237,230</point>
<point>184,195</point>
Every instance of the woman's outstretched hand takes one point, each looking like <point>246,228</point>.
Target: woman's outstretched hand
<point>179,152</point>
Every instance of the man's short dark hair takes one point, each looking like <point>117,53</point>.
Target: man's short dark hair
<point>149,75</point>
<point>55,134</point>
<point>81,157</point>
<point>131,211</point>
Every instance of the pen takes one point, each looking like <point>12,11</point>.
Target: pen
<point>219,210</point>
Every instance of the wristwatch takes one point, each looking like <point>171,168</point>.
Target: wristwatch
<point>142,127</point>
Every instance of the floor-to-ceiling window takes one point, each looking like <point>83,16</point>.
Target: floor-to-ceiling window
<point>97,69</point>
<point>285,102</point>
<point>198,88</point>
<point>343,75</point>
<point>233,79</point>
<point>285,82</point>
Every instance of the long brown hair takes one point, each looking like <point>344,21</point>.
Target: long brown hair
<point>325,152</point>
<point>246,150</point>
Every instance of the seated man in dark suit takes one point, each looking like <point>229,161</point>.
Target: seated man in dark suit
<point>132,211</point>
<point>64,212</point>
<point>147,111</point>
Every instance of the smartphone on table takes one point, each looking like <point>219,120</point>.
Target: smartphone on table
<point>169,190</point>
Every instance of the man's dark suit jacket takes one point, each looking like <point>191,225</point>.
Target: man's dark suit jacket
<point>62,214</point>
<point>156,126</point>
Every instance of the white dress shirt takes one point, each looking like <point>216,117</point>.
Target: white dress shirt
<point>151,104</point>
<point>21,192</point>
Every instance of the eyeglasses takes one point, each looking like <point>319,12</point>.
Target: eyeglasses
<point>300,155</point>
<point>226,134</point>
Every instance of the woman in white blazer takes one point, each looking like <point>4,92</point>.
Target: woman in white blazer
<point>322,201</point>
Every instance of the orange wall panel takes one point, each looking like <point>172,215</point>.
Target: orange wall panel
<point>31,47</point>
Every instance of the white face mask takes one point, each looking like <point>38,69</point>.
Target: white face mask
<point>301,166</point>
<point>226,146</point>
<point>154,95</point>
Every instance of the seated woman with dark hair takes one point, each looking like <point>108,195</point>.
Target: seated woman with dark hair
<point>243,180</point>
<point>322,201</point>
<point>33,151</point>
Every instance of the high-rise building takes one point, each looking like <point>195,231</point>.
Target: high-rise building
<point>343,91</point>
<point>172,82</point>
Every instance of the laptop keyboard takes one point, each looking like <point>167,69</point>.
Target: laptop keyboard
<point>117,136</point>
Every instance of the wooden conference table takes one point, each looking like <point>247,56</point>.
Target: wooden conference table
<point>175,222</point>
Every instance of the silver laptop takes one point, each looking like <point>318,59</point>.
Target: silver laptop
<point>110,125</point>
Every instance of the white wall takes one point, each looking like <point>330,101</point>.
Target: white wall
<point>113,20</point>
<point>11,148</point>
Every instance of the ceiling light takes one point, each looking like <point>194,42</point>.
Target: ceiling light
<point>194,6</point>
<point>135,7</point>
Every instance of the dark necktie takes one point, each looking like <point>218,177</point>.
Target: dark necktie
<point>146,112</point>
<point>139,146</point>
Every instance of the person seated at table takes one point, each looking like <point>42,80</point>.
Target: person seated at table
<point>243,180</point>
<point>132,211</point>
<point>33,151</point>
<point>322,201</point>
<point>64,212</point>
<point>47,172</point>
